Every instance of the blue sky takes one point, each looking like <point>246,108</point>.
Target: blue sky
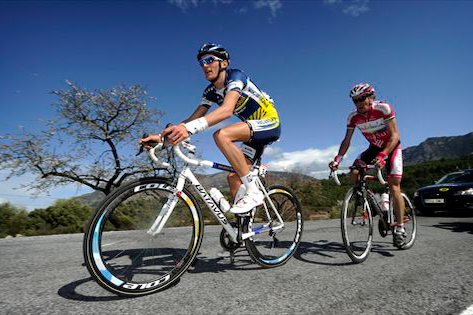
<point>305,54</point>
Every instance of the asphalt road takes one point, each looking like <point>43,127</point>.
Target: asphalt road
<point>46,275</point>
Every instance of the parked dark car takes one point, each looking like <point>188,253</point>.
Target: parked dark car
<point>452,192</point>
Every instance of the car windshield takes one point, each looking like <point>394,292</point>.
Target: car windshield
<point>456,178</point>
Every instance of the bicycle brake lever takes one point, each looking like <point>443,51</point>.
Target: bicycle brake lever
<point>150,143</point>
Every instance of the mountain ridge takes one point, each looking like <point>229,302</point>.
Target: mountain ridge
<point>436,148</point>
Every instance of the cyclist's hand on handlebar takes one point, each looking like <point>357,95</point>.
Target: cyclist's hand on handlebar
<point>335,163</point>
<point>176,134</point>
<point>147,141</point>
<point>379,161</point>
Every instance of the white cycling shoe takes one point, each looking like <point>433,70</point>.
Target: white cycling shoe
<point>249,201</point>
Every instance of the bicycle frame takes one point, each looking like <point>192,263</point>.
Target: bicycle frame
<point>361,185</point>
<point>186,174</point>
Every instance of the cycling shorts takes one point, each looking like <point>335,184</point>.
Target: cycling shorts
<point>393,163</point>
<point>262,133</point>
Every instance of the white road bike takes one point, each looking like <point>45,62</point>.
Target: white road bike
<point>146,234</point>
<point>359,209</point>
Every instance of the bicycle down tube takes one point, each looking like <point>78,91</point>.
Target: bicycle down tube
<point>167,209</point>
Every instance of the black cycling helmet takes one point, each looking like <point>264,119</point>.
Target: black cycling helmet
<point>213,49</point>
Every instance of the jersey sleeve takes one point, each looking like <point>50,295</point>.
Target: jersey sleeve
<point>386,110</point>
<point>206,99</point>
<point>351,121</point>
<point>236,81</point>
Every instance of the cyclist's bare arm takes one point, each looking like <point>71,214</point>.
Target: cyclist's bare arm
<point>346,142</point>
<point>200,111</point>
<point>225,110</point>
<point>178,133</point>
<point>343,149</point>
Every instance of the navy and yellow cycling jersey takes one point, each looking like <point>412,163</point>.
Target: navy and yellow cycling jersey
<point>254,107</point>
<point>253,103</point>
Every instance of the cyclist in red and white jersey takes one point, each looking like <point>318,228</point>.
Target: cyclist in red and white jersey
<point>377,122</point>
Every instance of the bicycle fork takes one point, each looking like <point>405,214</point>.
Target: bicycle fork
<point>360,201</point>
<point>167,209</point>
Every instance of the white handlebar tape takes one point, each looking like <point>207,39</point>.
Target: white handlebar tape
<point>197,125</point>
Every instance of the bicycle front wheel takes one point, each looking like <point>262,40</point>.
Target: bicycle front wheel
<point>124,256</point>
<point>357,226</point>
<point>274,242</point>
<point>410,223</point>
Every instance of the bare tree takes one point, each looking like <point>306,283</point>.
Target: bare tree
<point>91,141</point>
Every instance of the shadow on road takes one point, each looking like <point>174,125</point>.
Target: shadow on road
<point>202,264</point>
<point>450,214</point>
<point>328,253</point>
<point>242,262</point>
<point>69,291</point>
<point>459,227</point>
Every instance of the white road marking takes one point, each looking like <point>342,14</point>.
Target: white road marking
<point>468,311</point>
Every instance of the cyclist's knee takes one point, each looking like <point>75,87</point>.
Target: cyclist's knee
<point>216,135</point>
<point>221,135</point>
<point>354,176</point>
<point>232,177</point>
<point>394,183</point>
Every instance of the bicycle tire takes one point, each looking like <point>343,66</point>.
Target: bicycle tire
<point>410,223</point>
<point>123,258</point>
<point>357,226</point>
<point>272,248</point>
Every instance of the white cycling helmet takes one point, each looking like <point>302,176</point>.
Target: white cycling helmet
<point>361,89</point>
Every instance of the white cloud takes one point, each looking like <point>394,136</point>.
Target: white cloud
<point>330,2</point>
<point>350,7</point>
<point>313,162</point>
<point>270,150</point>
<point>273,5</point>
<point>185,4</point>
<point>357,7</point>
<point>242,10</point>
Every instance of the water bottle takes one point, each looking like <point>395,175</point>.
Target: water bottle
<point>218,197</point>
<point>384,202</point>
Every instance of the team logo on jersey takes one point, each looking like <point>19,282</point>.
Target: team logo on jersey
<point>241,102</point>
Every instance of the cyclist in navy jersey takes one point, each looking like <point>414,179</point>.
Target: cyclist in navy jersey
<point>377,122</point>
<point>235,94</point>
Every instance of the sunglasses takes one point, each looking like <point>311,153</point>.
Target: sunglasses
<point>360,99</point>
<point>208,60</point>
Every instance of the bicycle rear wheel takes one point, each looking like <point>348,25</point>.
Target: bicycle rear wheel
<point>123,257</point>
<point>357,226</point>
<point>274,244</point>
<point>410,223</point>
